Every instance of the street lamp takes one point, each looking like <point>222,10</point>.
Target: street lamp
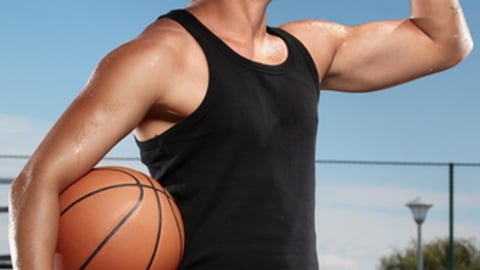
<point>419,210</point>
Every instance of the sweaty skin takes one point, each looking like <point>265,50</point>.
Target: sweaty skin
<point>150,83</point>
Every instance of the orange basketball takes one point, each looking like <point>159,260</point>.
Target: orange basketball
<point>119,218</point>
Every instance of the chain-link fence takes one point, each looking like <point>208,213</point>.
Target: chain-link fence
<point>361,214</point>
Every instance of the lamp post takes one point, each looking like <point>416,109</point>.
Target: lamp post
<point>419,210</point>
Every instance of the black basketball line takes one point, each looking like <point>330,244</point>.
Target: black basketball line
<point>159,228</point>
<point>120,224</point>
<point>170,201</point>
<point>179,227</point>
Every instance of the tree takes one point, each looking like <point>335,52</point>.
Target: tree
<point>435,256</point>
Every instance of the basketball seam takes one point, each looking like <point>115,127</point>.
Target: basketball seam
<point>179,227</point>
<point>159,229</point>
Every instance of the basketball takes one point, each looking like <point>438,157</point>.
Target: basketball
<point>119,218</point>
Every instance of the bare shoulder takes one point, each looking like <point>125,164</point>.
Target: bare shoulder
<point>164,36</point>
<point>159,45</point>
<point>150,61</point>
<point>321,38</point>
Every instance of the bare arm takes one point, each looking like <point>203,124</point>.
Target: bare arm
<point>116,98</point>
<point>382,54</point>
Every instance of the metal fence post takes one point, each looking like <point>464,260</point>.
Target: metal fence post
<point>451,245</point>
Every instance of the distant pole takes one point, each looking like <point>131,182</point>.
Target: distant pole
<point>419,247</point>
<point>419,210</point>
<point>451,245</point>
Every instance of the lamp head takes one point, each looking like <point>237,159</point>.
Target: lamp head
<point>419,209</point>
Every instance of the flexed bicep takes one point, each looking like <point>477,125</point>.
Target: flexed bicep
<point>378,55</point>
<point>382,54</point>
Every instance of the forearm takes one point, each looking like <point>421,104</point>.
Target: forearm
<point>33,226</point>
<point>444,23</point>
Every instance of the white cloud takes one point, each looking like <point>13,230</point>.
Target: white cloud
<point>334,262</point>
<point>20,135</point>
<point>352,233</point>
<point>361,236</point>
<point>366,196</point>
<point>4,234</point>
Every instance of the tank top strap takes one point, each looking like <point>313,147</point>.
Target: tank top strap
<point>201,33</point>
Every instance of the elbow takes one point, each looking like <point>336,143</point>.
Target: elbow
<point>456,53</point>
<point>21,189</point>
<point>467,48</point>
<point>18,188</point>
<point>463,50</point>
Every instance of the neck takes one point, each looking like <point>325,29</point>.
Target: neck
<point>240,17</point>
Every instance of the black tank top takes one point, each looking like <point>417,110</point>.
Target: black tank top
<point>241,167</point>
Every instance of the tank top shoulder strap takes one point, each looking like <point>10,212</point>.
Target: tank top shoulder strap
<point>192,25</point>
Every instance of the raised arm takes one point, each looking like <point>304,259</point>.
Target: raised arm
<point>116,98</point>
<point>378,55</point>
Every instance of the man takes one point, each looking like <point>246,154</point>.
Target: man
<point>224,111</point>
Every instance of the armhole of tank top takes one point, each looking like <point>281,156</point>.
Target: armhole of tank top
<point>190,120</point>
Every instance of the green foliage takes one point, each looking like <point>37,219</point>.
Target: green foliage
<point>435,256</point>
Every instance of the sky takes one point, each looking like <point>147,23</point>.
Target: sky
<point>48,50</point>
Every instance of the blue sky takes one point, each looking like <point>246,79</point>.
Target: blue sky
<point>48,50</point>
